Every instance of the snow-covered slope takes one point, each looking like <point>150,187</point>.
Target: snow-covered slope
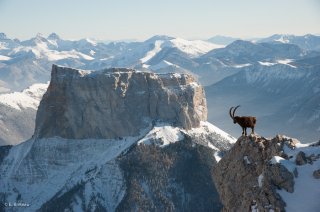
<point>42,170</point>
<point>63,164</point>
<point>145,51</point>
<point>17,114</point>
<point>28,98</point>
<point>306,185</point>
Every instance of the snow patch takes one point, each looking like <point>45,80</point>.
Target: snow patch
<point>276,159</point>
<point>4,58</point>
<point>286,62</point>
<point>217,155</point>
<point>162,135</point>
<point>266,63</point>
<point>213,128</point>
<point>195,47</point>
<point>241,65</point>
<point>282,40</point>
<point>150,54</point>
<point>92,52</point>
<point>162,64</point>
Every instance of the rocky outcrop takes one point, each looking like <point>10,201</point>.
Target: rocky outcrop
<point>259,174</point>
<point>316,174</point>
<point>247,176</point>
<point>301,158</point>
<point>116,103</point>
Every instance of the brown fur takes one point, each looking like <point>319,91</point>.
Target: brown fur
<point>244,121</point>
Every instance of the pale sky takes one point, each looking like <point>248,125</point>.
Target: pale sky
<point>141,19</point>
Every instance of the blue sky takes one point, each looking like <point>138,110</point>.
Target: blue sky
<point>141,19</point>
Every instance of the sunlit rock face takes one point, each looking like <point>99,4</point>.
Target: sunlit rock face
<point>116,102</point>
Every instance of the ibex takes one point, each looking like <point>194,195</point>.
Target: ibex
<point>244,121</point>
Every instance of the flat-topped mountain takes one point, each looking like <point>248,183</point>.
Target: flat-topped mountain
<point>117,102</point>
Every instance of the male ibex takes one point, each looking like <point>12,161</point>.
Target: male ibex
<point>243,121</point>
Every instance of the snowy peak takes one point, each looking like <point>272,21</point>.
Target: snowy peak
<point>53,36</point>
<point>281,38</point>
<point>3,36</point>
<point>154,45</point>
<point>306,42</point>
<point>28,98</point>
<point>194,48</point>
<point>159,37</point>
<point>36,41</point>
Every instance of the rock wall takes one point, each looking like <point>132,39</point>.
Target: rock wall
<point>115,103</point>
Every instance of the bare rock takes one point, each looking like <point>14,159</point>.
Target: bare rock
<point>301,158</point>
<point>116,103</point>
<point>246,179</point>
<point>316,174</point>
<point>316,143</point>
<point>282,177</point>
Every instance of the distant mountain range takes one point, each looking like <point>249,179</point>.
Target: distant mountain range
<point>307,42</point>
<point>272,78</point>
<point>222,40</point>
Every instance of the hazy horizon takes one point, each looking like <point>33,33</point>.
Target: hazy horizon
<point>141,40</point>
<point>140,20</point>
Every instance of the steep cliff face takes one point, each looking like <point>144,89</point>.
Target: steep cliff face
<point>116,140</point>
<point>116,103</point>
<point>260,174</point>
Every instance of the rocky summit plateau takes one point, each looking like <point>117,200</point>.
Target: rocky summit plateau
<point>116,140</point>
